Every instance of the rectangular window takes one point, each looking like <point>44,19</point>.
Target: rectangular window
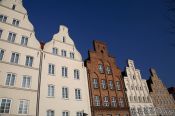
<point>23,107</point>
<point>63,53</point>
<point>0,33</point>
<point>113,102</point>
<point>77,94</point>
<point>65,113</point>
<point>111,85</point>
<point>24,41</point>
<point>5,105</point>
<point>108,70</point>
<point>103,84</point>
<point>121,102</point>
<point>1,54</point>
<point>118,87</point>
<point>65,93</point>
<point>76,74</point>
<point>50,113</point>
<point>11,37</point>
<point>10,80</point>
<point>15,22</point>
<point>96,100</point>
<point>14,58</point>
<point>106,101</point>
<point>26,82</point>
<point>3,18</point>
<point>55,51</point>
<point>13,7</point>
<point>29,61</point>
<point>79,114</point>
<point>51,89</point>
<point>64,71</point>
<point>51,69</point>
<point>100,68</point>
<point>71,55</point>
<point>95,83</point>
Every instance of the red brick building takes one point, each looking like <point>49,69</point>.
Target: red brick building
<point>106,86</point>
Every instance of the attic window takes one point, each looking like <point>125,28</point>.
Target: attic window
<point>13,7</point>
<point>64,39</point>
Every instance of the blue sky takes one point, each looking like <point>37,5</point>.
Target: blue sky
<point>132,29</point>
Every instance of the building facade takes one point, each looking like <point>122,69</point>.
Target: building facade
<point>106,87</point>
<point>162,100</point>
<point>19,61</point>
<point>64,86</point>
<point>139,100</point>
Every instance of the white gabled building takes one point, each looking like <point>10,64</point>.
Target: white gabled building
<point>64,86</point>
<point>19,61</point>
<point>139,100</point>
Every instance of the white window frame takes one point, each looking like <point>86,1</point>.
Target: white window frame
<point>78,94</point>
<point>79,113</point>
<point>76,74</point>
<point>3,19</point>
<point>65,113</point>
<point>29,61</point>
<point>15,22</point>
<point>97,100</point>
<point>24,40</point>
<point>63,53</point>
<point>111,85</point>
<point>103,83</point>
<point>95,83</point>
<point>51,90</point>
<point>64,70</point>
<point>7,108</point>
<point>23,107</point>
<point>51,69</point>
<point>26,81</point>
<point>106,101</point>
<point>11,37</point>
<point>14,59</point>
<point>50,113</point>
<point>100,68</point>
<point>113,102</point>
<point>121,102</point>
<point>65,92</point>
<point>108,70</point>
<point>55,51</point>
<point>118,85</point>
<point>10,79</point>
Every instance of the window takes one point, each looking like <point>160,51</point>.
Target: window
<point>64,39</point>
<point>100,68</point>
<point>65,93</point>
<point>26,81</point>
<point>10,80</point>
<point>64,71</point>
<point>96,100</point>
<point>95,83</point>
<point>76,74</point>
<point>11,37</point>
<point>1,54</point>
<point>103,84</point>
<point>106,101</point>
<point>79,114</point>
<point>3,18</point>
<point>0,33</point>
<point>24,41</point>
<point>108,70</point>
<point>51,90</point>
<point>55,51</point>
<point>50,113</point>
<point>133,111</point>
<point>13,7</point>
<point>118,87</point>
<point>77,94</point>
<point>23,107</point>
<point>51,69</point>
<point>14,58</point>
<point>63,53</point>
<point>111,85</point>
<point>29,61</point>
<point>146,110</point>
<point>65,113</point>
<point>113,102</point>
<point>5,105</point>
<point>121,102</point>
<point>15,22</point>
<point>71,55</point>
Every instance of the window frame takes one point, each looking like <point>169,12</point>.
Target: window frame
<point>12,75</point>
<point>51,90</point>
<point>2,52</point>
<point>23,107</point>
<point>29,61</point>
<point>51,69</point>
<point>24,85</point>
<point>24,40</point>
<point>65,92</point>
<point>11,37</point>
<point>5,108</point>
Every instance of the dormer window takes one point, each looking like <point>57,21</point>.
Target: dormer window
<point>13,7</point>
<point>64,39</point>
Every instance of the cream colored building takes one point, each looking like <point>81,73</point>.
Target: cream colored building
<point>64,86</point>
<point>19,61</point>
<point>139,100</point>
